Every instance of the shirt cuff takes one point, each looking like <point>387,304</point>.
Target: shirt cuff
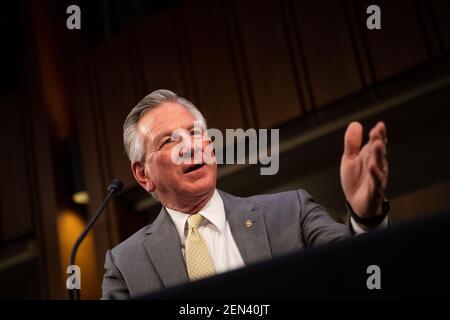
<point>358,230</point>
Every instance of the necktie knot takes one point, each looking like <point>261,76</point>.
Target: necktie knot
<point>194,221</point>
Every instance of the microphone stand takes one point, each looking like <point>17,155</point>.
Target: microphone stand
<point>114,188</point>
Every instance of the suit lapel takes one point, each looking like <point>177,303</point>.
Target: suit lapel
<point>248,228</point>
<point>164,249</point>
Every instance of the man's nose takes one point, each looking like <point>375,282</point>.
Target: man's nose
<point>190,147</point>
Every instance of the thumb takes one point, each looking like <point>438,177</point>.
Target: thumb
<point>353,139</point>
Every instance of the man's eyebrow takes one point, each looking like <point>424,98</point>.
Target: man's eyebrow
<point>161,134</point>
<point>168,133</point>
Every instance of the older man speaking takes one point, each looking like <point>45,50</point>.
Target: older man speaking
<point>202,231</point>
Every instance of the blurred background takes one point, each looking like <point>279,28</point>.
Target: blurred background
<point>305,67</point>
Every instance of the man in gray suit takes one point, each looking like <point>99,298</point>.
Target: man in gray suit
<point>202,231</point>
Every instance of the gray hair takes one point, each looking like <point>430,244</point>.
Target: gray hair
<point>134,146</point>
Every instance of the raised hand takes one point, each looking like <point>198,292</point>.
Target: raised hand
<point>364,171</point>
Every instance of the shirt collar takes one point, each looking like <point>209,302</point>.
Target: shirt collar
<point>213,211</point>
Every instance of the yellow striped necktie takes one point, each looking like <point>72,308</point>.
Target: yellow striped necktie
<point>198,260</point>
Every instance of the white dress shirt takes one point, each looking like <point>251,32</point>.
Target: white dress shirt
<point>216,231</point>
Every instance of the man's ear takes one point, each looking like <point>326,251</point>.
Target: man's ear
<point>141,177</point>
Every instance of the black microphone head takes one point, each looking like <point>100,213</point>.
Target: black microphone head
<point>115,187</point>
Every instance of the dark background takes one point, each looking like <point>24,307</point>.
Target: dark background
<point>305,67</point>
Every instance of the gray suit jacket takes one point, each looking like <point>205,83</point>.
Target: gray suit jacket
<point>151,259</point>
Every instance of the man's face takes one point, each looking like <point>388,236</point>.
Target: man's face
<point>160,173</point>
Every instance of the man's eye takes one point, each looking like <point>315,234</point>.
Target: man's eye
<point>167,141</point>
<point>196,132</point>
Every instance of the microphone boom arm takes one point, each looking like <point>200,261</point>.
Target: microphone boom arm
<point>114,189</point>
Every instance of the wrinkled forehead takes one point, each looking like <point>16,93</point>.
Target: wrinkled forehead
<point>164,122</point>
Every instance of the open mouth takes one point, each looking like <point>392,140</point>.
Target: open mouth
<point>194,167</point>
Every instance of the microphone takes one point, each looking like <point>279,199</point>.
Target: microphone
<point>114,188</point>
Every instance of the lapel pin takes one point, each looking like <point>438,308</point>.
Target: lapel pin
<point>248,223</point>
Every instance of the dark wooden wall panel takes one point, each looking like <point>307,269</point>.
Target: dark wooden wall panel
<point>15,209</point>
<point>94,158</point>
<point>268,61</point>
<point>159,54</point>
<point>117,92</point>
<point>212,64</point>
<point>400,44</point>
<point>441,12</point>
<point>327,45</point>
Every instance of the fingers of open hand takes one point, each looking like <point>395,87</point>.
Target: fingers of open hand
<point>353,139</point>
<point>378,141</point>
<point>379,132</point>
<point>378,165</point>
